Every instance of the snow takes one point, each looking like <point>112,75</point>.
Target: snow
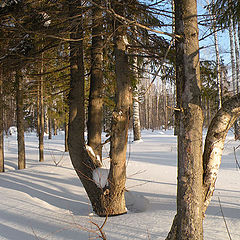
<point>100,176</point>
<point>47,201</point>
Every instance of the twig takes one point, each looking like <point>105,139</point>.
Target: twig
<point>161,65</point>
<point>225,222</point>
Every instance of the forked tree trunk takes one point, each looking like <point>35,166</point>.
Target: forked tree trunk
<point>20,120</point>
<point>1,124</point>
<point>95,108</point>
<point>188,221</point>
<point>80,158</point>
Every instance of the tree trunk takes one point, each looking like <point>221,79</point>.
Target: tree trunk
<point>41,109</point>
<point>1,124</point>
<point>66,135</point>
<point>38,108</point>
<point>54,127</point>
<point>84,164</point>
<point>20,120</point>
<point>95,108</point>
<point>189,218</point>
<point>214,144</point>
<point>237,57</point>
<point>136,117</point>
<point>120,118</point>
<point>49,125</point>
<point>234,83</point>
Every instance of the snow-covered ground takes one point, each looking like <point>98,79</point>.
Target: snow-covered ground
<point>47,201</point>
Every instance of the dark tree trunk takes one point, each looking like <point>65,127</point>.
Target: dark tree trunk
<point>20,120</point>
<point>189,216</point>
<point>54,127</point>
<point>66,136</point>
<point>41,116</point>
<point>109,199</point>
<point>1,124</point>
<point>81,160</point>
<point>95,107</point>
<point>49,125</point>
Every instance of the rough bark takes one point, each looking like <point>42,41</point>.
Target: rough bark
<point>20,120</point>
<point>95,107</point>
<point>120,118</point>
<point>189,194</point>
<point>1,124</point>
<point>82,162</point>
<point>104,200</point>
<point>214,144</point>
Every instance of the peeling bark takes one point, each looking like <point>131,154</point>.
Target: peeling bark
<point>214,144</point>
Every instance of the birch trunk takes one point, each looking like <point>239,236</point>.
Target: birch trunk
<point>136,116</point>
<point>232,56</point>
<point>233,70</point>
<point>219,80</point>
<point>214,144</point>
<point>237,58</point>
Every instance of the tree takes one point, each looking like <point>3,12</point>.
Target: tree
<point>95,108</point>
<point>189,218</point>
<point>1,123</point>
<point>109,199</point>
<point>20,120</point>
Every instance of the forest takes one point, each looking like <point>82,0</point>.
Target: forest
<point>106,72</point>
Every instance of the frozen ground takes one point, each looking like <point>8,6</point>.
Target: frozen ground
<point>47,201</point>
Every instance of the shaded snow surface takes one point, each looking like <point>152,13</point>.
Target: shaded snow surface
<point>47,200</point>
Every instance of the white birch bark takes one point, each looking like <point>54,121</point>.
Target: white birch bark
<point>136,116</point>
<point>214,144</point>
<point>232,56</point>
<point>237,57</point>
